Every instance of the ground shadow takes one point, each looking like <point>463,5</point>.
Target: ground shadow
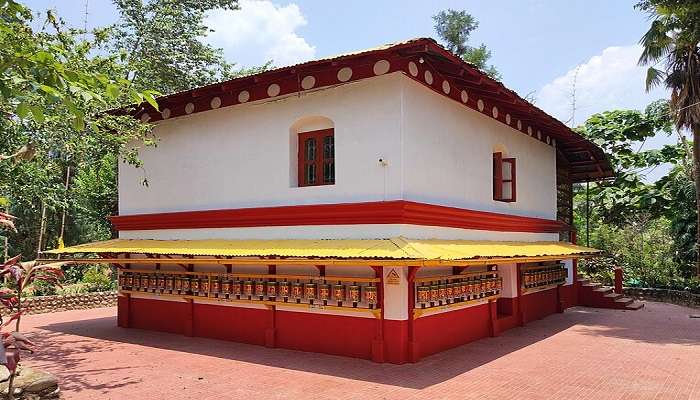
<point>428,372</point>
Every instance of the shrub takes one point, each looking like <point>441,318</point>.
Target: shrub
<point>98,279</point>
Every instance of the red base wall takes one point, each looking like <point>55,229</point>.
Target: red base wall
<point>236,324</point>
<point>538,305</point>
<point>436,333</point>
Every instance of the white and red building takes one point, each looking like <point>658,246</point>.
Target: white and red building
<point>400,174</point>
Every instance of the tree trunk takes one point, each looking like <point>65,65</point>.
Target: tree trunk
<point>696,175</point>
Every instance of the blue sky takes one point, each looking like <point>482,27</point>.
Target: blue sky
<point>537,45</point>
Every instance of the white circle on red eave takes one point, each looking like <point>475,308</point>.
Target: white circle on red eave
<point>273,90</point>
<point>381,67</point>
<point>215,102</point>
<point>308,82</point>
<point>465,96</point>
<point>446,87</point>
<point>494,112</point>
<point>165,113</point>
<point>189,108</point>
<point>428,77</point>
<point>480,105</point>
<point>548,140</point>
<point>508,119</point>
<point>243,96</point>
<point>344,74</point>
<point>529,130</point>
<point>412,69</point>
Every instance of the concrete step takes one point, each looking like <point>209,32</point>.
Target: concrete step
<point>603,289</point>
<point>636,305</point>
<point>613,296</point>
<point>624,300</point>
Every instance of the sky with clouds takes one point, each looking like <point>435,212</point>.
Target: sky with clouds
<point>539,46</point>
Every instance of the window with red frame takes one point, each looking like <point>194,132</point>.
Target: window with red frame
<point>503,178</point>
<point>316,158</point>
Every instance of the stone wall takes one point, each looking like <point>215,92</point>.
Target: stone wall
<point>679,297</point>
<point>47,304</point>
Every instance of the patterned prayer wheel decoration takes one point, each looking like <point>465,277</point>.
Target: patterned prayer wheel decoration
<point>272,289</point>
<point>194,284</point>
<point>129,280</point>
<point>260,288</point>
<point>339,293</point>
<point>177,283</point>
<point>215,285</point>
<point>144,281</point>
<point>310,291</point>
<point>423,295</point>
<point>169,282</point>
<point>324,292</point>
<point>226,287</point>
<point>284,290</point>
<point>371,296</point>
<point>204,284</point>
<point>237,288</point>
<point>186,283</point>
<point>153,282</point>
<point>449,291</point>
<point>161,282</point>
<point>442,292</point>
<point>434,293</point>
<point>354,293</point>
<point>297,290</point>
<point>248,288</point>
<point>122,281</point>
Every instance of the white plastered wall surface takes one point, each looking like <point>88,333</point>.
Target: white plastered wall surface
<point>448,150</point>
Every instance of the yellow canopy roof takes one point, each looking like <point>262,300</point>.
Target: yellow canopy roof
<point>393,249</point>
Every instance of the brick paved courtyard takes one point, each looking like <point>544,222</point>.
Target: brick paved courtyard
<point>581,354</point>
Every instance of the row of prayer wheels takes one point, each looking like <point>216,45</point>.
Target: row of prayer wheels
<point>250,289</point>
<point>544,276</point>
<point>457,290</point>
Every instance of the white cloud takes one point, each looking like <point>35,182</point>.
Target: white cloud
<point>261,31</point>
<point>608,81</point>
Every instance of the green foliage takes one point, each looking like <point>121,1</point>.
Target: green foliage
<point>41,288</point>
<point>454,28</point>
<point>99,279</point>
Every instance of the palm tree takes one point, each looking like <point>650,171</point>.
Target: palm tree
<point>672,42</point>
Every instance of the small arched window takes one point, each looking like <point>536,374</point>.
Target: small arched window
<point>316,158</point>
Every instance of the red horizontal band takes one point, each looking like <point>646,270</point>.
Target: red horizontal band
<point>381,212</point>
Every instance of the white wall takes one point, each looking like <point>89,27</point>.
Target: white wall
<point>448,150</point>
<point>241,156</point>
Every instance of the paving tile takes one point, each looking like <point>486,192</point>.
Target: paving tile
<point>583,353</point>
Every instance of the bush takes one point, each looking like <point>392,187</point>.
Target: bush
<point>98,279</point>
<point>41,288</point>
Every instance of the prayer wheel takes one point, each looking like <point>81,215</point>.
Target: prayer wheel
<point>465,289</point>
<point>371,296</point>
<point>204,285</point>
<point>177,283</point>
<point>153,282</point>
<point>297,290</point>
<point>248,288</point>
<point>129,280</point>
<point>284,290</point>
<point>161,282</point>
<point>226,287</point>
<point>310,292</point>
<point>237,288</point>
<point>260,289</point>
<point>122,281</point>
<point>423,295</point>
<point>186,283</point>
<point>144,282</point>
<point>271,290</point>
<point>354,294</point>
<point>194,284</point>
<point>457,290</point>
<point>449,292</point>
<point>339,293</point>
<point>434,293</point>
<point>215,285</point>
<point>324,292</point>
<point>169,283</point>
<point>442,292</point>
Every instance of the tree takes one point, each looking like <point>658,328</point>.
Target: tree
<point>673,40</point>
<point>161,42</point>
<point>454,28</point>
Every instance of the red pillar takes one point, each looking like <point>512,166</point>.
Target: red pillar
<point>378,342</point>
<point>493,318</point>
<point>618,280</point>
<point>123,309</point>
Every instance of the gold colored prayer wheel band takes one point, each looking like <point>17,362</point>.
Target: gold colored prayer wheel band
<point>371,296</point>
<point>310,291</point>
<point>339,292</point>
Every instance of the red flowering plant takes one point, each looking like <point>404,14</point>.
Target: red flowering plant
<point>19,275</point>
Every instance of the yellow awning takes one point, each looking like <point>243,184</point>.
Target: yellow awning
<point>391,249</point>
